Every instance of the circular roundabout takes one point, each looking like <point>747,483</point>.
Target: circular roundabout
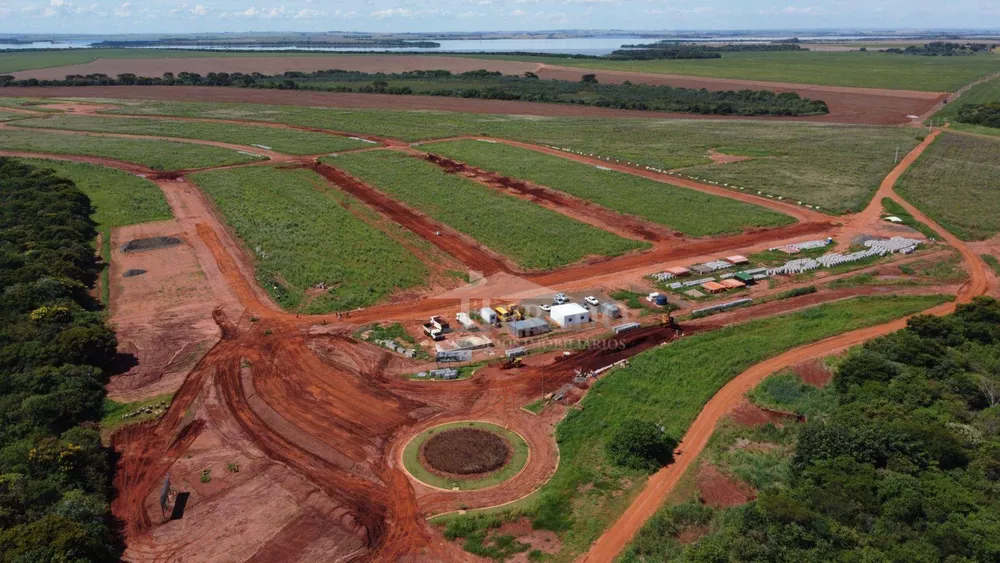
<point>465,455</point>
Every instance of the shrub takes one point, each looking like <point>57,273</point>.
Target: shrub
<point>640,445</point>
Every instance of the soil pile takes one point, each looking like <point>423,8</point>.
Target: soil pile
<point>152,243</point>
<point>466,451</point>
<point>133,272</point>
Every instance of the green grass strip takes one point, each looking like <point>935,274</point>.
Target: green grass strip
<point>289,141</point>
<point>534,237</point>
<point>688,211</point>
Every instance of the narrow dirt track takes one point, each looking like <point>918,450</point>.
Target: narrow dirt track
<point>660,485</point>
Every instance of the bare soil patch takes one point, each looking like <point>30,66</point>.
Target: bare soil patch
<point>468,452</point>
<point>542,540</point>
<point>75,107</point>
<point>749,414</point>
<point>722,158</point>
<point>721,491</point>
<point>150,243</point>
<point>814,372</point>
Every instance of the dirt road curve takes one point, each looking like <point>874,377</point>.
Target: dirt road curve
<point>614,540</point>
<point>847,105</point>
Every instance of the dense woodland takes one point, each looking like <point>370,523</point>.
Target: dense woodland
<point>902,463</point>
<point>668,49</point>
<point>55,354</point>
<point>944,49</point>
<point>987,115</point>
<point>481,84</point>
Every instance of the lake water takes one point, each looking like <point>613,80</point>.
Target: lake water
<point>575,45</point>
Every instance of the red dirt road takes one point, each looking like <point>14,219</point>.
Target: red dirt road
<point>847,105</point>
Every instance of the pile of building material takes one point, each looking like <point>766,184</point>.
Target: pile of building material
<point>395,347</point>
<point>901,245</point>
<point>876,247</point>
<point>720,307</point>
<point>709,267</point>
<point>445,373</point>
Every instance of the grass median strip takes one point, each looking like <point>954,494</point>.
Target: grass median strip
<point>289,141</point>
<point>532,236</point>
<point>312,255</point>
<point>668,386</point>
<point>688,211</point>
<point>154,153</point>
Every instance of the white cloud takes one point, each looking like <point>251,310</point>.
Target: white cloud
<point>795,11</point>
<point>123,11</point>
<point>59,3</point>
<point>199,10</point>
<point>392,13</point>
<point>517,13</point>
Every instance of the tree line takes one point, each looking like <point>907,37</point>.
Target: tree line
<point>902,465</point>
<point>987,115</point>
<point>668,49</point>
<point>56,352</point>
<point>943,49</point>
<point>481,84</point>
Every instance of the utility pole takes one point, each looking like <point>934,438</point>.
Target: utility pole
<point>897,156</point>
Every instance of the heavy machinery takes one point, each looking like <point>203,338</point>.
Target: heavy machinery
<point>512,363</point>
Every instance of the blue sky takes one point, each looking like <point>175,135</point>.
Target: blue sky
<point>177,16</point>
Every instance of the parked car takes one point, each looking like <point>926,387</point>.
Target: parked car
<point>545,308</point>
<point>592,301</point>
<point>560,299</point>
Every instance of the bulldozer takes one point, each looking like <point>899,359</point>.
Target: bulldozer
<point>512,363</point>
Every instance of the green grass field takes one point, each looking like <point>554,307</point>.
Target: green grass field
<point>837,167</point>
<point>669,385</point>
<point>156,154</point>
<point>689,211</point>
<point>300,237</point>
<point>119,198</point>
<point>955,182</point>
<point>9,115</point>
<point>114,412</point>
<point>984,93</point>
<point>289,141</point>
<point>517,461</point>
<point>532,236</point>
<point>830,68</point>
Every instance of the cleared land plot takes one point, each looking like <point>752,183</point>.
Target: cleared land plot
<point>853,68</point>
<point>532,236</point>
<point>300,237</point>
<point>282,140</point>
<point>837,167</point>
<point>956,182</point>
<point>119,198</point>
<point>153,153</point>
<point>669,385</point>
<point>984,93</point>
<point>688,211</point>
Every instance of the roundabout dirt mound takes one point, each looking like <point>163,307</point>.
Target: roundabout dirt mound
<point>466,451</point>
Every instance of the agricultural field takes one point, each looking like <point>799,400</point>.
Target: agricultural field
<point>837,167</point>
<point>688,211</point>
<point>300,237</point>
<point>532,236</point>
<point>983,93</point>
<point>289,141</point>
<point>9,115</point>
<point>14,61</point>
<point>155,154</point>
<point>669,385</point>
<point>851,68</point>
<point>955,182</point>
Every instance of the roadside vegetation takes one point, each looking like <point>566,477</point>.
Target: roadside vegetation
<point>836,167</point>
<point>288,141</point>
<point>954,182</point>
<point>588,492</point>
<point>992,262</point>
<point>862,69</point>
<point>153,153</point>
<point>532,236</point>
<point>897,459</point>
<point>311,254</point>
<point>688,211</point>
<point>56,354</point>
<point>891,208</point>
<point>987,92</point>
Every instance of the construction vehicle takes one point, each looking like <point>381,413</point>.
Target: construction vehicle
<point>512,363</point>
<point>503,313</point>
<point>436,328</point>
<point>516,312</point>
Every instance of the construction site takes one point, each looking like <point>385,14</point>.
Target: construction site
<point>288,434</point>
